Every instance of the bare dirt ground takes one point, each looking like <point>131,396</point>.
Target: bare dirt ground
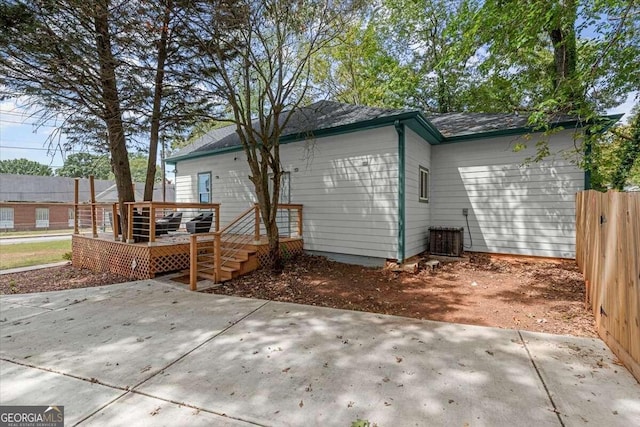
<point>505,292</point>
<point>516,293</point>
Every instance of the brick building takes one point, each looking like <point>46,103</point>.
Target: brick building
<point>46,202</point>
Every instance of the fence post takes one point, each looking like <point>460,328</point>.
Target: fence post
<point>217,210</point>
<point>115,224</point>
<point>300,221</point>
<point>217,261</point>
<point>257,222</point>
<point>193,262</point>
<point>76,208</point>
<point>152,224</point>
<point>94,226</point>
<point>130,237</point>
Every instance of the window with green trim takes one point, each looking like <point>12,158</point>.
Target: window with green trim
<point>204,187</point>
<point>423,179</point>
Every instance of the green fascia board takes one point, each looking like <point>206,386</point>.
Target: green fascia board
<point>401,130</point>
<point>610,120</point>
<point>415,119</point>
<point>198,154</point>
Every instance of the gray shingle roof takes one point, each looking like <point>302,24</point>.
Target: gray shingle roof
<point>458,124</point>
<point>30,188</point>
<point>304,121</point>
<point>208,138</point>
<point>328,114</point>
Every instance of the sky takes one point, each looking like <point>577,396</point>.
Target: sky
<point>21,138</point>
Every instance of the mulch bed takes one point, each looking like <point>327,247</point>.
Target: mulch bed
<point>507,292</point>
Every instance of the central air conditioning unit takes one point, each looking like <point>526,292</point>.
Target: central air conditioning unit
<point>447,241</point>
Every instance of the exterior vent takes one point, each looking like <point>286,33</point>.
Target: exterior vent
<point>447,241</point>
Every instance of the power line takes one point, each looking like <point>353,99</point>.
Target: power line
<point>29,148</point>
<point>24,123</point>
<point>18,113</point>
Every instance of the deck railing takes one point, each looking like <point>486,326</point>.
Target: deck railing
<point>95,218</point>
<point>211,252</point>
<point>143,218</point>
<point>91,218</point>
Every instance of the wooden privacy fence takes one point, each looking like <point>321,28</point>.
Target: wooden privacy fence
<point>608,254</point>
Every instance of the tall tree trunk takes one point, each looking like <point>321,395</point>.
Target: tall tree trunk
<point>268,201</point>
<point>157,98</point>
<point>113,114</point>
<point>563,38</point>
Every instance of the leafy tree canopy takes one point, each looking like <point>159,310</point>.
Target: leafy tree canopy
<point>24,167</point>
<point>617,156</point>
<point>82,165</point>
<point>356,69</point>
<point>138,164</point>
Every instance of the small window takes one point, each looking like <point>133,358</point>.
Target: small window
<point>6,217</point>
<point>42,217</point>
<point>424,185</point>
<point>70,217</point>
<point>204,187</point>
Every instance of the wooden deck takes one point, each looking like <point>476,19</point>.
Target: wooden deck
<point>146,260</point>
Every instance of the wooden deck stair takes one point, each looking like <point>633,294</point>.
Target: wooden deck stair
<point>235,262</point>
<point>237,248</point>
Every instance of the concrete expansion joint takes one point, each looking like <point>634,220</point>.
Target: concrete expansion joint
<point>132,390</point>
<point>186,405</point>
<point>544,385</point>
<point>53,371</point>
<point>32,306</point>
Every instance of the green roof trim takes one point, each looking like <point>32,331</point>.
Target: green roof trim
<point>400,129</point>
<point>415,119</point>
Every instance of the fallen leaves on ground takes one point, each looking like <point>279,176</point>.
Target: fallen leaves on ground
<point>507,292</point>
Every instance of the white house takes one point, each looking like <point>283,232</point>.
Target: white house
<point>372,181</point>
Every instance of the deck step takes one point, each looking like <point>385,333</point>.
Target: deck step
<point>236,261</point>
<point>237,251</point>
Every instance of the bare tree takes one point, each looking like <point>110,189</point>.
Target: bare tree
<point>262,53</point>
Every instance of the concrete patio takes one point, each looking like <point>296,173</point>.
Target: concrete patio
<point>149,353</point>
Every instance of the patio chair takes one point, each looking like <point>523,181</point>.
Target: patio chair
<point>200,224</point>
<point>140,228</point>
<point>170,222</point>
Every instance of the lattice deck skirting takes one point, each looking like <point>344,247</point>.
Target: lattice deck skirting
<point>287,250</point>
<point>140,261</point>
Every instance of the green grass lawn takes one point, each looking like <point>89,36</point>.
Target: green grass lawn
<point>26,254</point>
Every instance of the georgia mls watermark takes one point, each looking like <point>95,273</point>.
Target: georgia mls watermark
<point>31,416</point>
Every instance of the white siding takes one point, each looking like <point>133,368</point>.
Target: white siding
<point>417,154</point>
<point>515,209</point>
<point>348,185</point>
